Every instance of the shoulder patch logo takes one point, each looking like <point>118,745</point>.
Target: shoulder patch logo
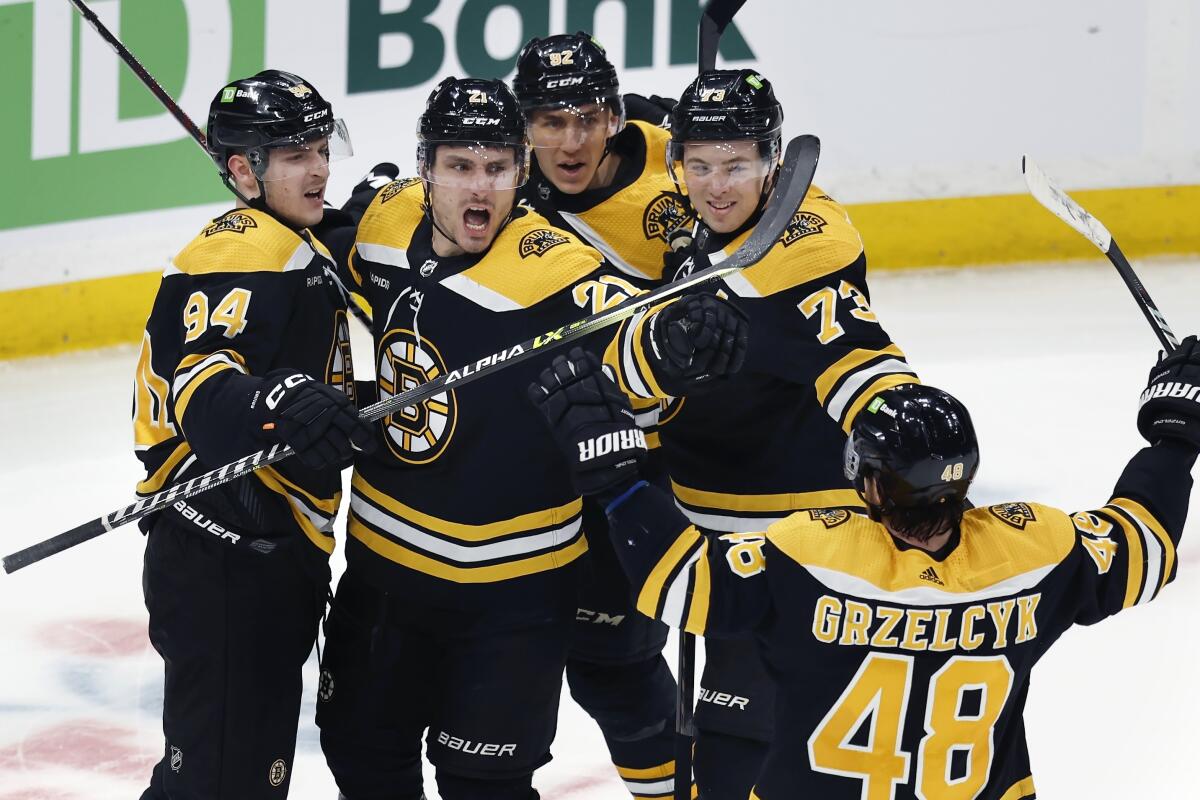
<point>396,187</point>
<point>233,222</point>
<point>536,243</point>
<point>805,223</point>
<point>931,575</point>
<point>829,517</point>
<point>1016,514</point>
<point>664,216</point>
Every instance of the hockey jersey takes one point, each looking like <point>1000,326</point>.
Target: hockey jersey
<point>768,441</point>
<point>903,673</point>
<point>467,497</point>
<point>247,296</point>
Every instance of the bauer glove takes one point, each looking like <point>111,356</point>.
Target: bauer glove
<point>592,422</point>
<point>316,420</point>
<point>696,340</point>
<point>1170,406</point>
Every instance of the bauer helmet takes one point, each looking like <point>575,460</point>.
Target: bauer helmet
<point>268,110</point>
<point>568,71</point>
<point>482,115</point>
<point>919,444</point>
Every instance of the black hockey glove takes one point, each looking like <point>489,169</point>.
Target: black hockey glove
<point>592,422</point>
<point>694,341</point>
<point>365,190</point>
<point>1170,406</point>
<point>653,109</point>
<point>316,420</point>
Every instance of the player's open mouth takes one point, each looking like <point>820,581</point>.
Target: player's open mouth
<point>720,206</point>
<point>475,219</point>
<point>573,169</point>
<point>316,194</point>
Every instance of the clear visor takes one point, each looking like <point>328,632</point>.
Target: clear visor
<point>700,164</point>
<point>311,154</point>
<point>573,124</point>
<point>480,166</point>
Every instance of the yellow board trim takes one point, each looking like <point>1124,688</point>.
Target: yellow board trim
<point>666,770</point>
<point>1020,789</point>
<point>489,574</point>
<point>656,582</point>
<point>789,501</point>
<point>462,531</point>
<point>950,232</point>
<point>1140,512</point>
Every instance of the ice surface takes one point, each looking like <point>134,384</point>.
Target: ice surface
<point>1049,359</point>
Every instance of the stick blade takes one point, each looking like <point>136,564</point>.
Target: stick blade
<point>1059,203</point>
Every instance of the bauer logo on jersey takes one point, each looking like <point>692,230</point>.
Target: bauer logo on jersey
<point>829,517</point>
<point>1016,514</point>
<point>396,187</point>
<point>805,223</point>
<point>664,216</point>
<point>419,433</point>
<point>233,222</point>
<point>536,243</point>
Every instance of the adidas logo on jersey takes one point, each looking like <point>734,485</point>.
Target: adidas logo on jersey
<point>1171,389</point>
<point>611,443</point>
<point>930,575</point>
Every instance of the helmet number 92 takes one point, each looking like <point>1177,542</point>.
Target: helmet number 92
<point>953,472</point>
<point>557,59</point>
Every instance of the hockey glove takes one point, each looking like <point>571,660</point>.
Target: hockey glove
<point>316,420</point>
<point>592,422</point>
<point>1170,406</point>
<point>696,340</point>
<point>653,109</point>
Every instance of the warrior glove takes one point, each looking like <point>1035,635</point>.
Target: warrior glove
<point>319,422</point>
<point>696,340</point>
<point>592,422</point>
<point>1170,406</point>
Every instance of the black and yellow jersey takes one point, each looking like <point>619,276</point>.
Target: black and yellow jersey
<point>247,296</point>
<point>630,221</point>
<point>467,489</point>
<point>768,441</point>
<point>903,673</point>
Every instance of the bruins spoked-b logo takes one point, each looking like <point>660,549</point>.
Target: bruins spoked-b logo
<point>233,222</point>
<point>804,223</point>
<point>396,187</point>
<point>536,243</point>
<point>665,215</point>
<point>829,517</point>
<point>1016,514</point>
<point>419,433</point>
<point>278,772</point>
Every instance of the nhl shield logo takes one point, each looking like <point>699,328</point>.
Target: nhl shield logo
<point>176,759</point>
<point>1017,515</point>
<point>233,222</point>
<point>804,223</point>
<point>278,772</point>
<point>665,215</point>
<point>829,517</point>
<point>396,187</point>
<point>536,243</point>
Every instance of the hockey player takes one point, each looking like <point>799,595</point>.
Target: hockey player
<point>464,530</point>
<point>817,356</point>
<point>246,346</point>
<point>901,643</point>
<point>606,179</point>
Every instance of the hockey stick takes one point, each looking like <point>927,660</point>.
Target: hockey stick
<point>1062,206</point>
<point>795,176</point>
<point>180,116</point>
<point>713,22</point>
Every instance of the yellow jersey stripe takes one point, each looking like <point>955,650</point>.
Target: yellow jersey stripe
<point>847,364</point>
<point>697,614</point>
<point>650,597</point>
<point>1143,515</point>
<point>155,482</point>
<point>460,530</point>
<point>271,480</point>
<point>765,503</point>
<point>666,770</point>
<point>1135,559</point>
<point>325,506</point>
<point>639,352</point>
<point>185,397</point>
<point>487,574</point>
<point>612,358</point>
<point>1021,789</point>
<point>875,387</point>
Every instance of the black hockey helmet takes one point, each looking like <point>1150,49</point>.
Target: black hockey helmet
<point>271,109</point>
<point>478,114</point>
<point>918,442</point>
<point>567,70</point>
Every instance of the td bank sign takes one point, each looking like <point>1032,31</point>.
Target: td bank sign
<point>82,138</point>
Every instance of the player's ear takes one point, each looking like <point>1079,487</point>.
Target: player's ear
<point>243,175</point>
